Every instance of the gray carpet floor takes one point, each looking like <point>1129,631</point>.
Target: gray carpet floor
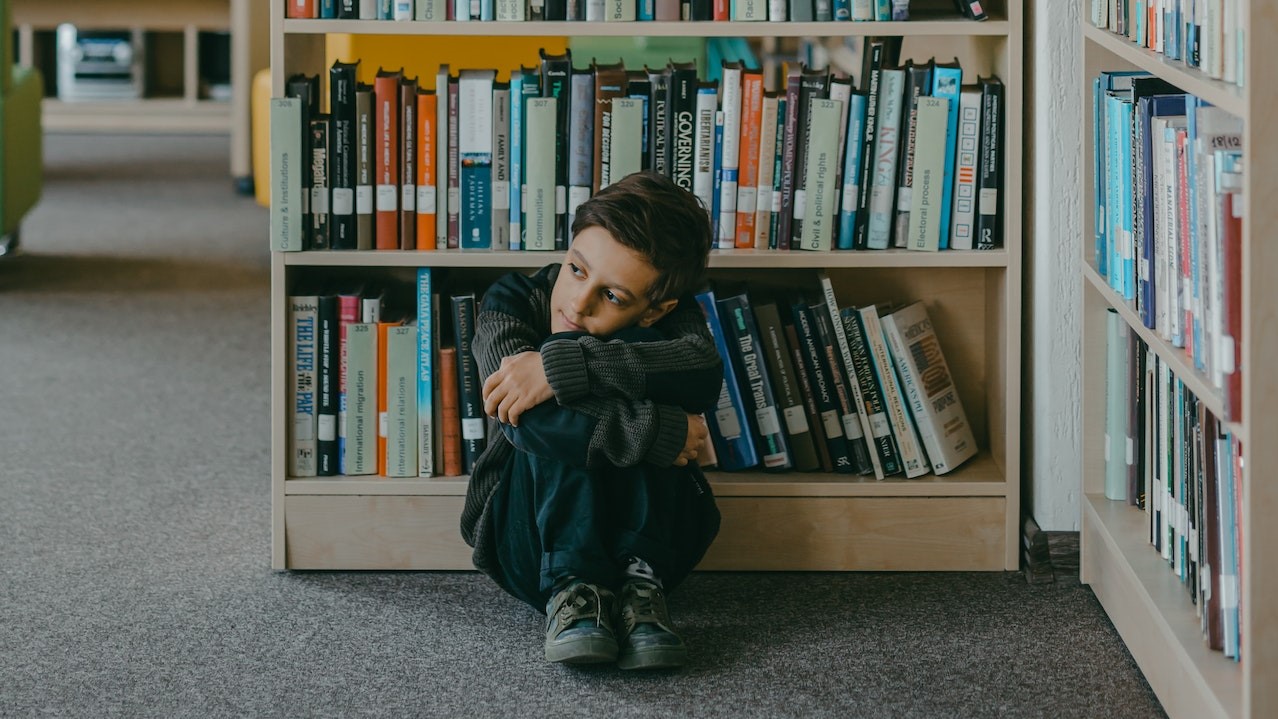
<point>135,514</point>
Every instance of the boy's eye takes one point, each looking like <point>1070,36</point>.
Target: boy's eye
<point>574,269</point>
<point>612,297</point>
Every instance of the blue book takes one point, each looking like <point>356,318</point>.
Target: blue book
<point>717,171</point>
<point>1151,107</point>
<point>745,343</point>
<point>1194,331</point>
<point>851,170</point>
<point>947,81</point>
<point>516,157</point>
<point>328,9</point>
<point>425,373</point>
<point>475,145</point>
<point>729,424</point>
<point>647,10</point>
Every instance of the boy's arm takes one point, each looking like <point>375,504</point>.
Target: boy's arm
<point>602,432</point>
<point>673,362</point>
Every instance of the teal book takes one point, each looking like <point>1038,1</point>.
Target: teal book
<point>425,373</point>
<point>729,424</point>
<point>947,80</point>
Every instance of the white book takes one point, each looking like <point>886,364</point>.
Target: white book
<point>730,103</point>
<point>963,209</point>
<point>749,10</point>
<point>508,10</point>
<point>475,149</point>
<point>887,142</point>
<point>778,10</point>
<point>929,387</point>
<point>913,458</point>
<point>360,418</point>
<point>287,166</point>
<point>929,174</point>
<point>461,10</point>
<point>303,324</point>
<point>367,9</point>
<point>767,160</point>
<point>539,159</point>
<point>843,352</point>
<point>626,147</point>
<point>1162,187</point>
<point>819,174</point>
<point>403,10</point>
<point>616,10</point>
<point>401,401</point>
<point>703,160</point>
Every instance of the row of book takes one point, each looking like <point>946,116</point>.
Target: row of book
<point>1206,34</point>
<point>1169,202</point>
<point>385,384</point>
<point>911,159</point>
<point>811,386</point>
<point>615,10</point>
<point>1166,453</point>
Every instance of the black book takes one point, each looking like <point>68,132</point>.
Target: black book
<point>681,124</point>
<point>849,412</point>
<point>817,365</point>
<point>328,347</point>
<point>989,218</point>
<point>701,10</point>
<point>813,85</point>
<point>344,155</point>
<point>470,404</point>
<point>320,145</point>
<point>971,9</point>
<point>764,416</point>
<point>348,10</point>
<point>364,166</point>
<point>918,83</point>
<point>779,361</point>
<point>878,53</point>
<point>639,87</point>
<point>658,116</point>
<point>789,149</point>
<point>555,10</point>
<point>556,82</point>
<point>306,89</point>
<point>408,163</point>
<point>875,408</point>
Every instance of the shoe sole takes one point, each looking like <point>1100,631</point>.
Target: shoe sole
<point>583,650</point>
<point>654,658</point>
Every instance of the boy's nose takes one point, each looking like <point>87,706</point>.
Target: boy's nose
<point>581,304</point>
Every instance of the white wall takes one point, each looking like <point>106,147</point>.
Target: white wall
<point>1053,374</point>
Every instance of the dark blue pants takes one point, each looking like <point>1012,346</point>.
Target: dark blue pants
<point>552,520</point>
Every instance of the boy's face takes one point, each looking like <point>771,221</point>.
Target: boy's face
<point>603,287</point>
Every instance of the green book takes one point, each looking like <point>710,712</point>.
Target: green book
<point>539,163</point>
<point>929,174</point>
<point>626,151</point>
<point>401,401</point>
<point>360,418</point>
<point>287,167</point>
<point>824,117</point>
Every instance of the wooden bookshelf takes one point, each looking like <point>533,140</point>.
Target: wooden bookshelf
<point>1148,605</point>
<point>966,520</point>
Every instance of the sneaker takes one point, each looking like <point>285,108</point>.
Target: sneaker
<point>648,641</point>
<point>579,625</point>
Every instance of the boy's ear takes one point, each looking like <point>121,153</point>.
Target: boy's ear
<point>656,312</point>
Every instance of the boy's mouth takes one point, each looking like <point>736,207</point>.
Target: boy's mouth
<point>569,324</point>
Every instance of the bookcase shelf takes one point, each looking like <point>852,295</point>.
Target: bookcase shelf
<point>1147,603</point>
<point>968,519</point>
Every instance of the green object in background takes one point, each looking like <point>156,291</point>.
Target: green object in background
<point>21,135</point>
<point>636,52</point>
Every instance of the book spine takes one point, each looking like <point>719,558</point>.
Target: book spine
<point>326,419</point>
<point>785,382</point>
<point>286,174</point>
<point>816,365</point>
<point>556,74</point>
<point>872,65</point>
<point>929,171</point>
<point>454,164</point>
<point>442,167</point>
<point>401,389</point>
<point>918,84</point>
<point>812,87</point>
<point>342,163</point>
<point>730,97</point>
<point>501,167</point>
<point>364,167</point>
<point>475,145</point>
<point>703,179</point>
<point>432,10</point>
<point>882,459</point>
<point>426,188</point>
<point>963,217</point>
<point>767,166</point>
<point>875,408</point>
<point>449,413</point>
<point>303,331</point>
<point>849,414</point>
<point>321,229</point>
<point>659,119</point>
<point>470,405</point>
<point>408,164</point>
<point>851,190</point>
<point>386,94</point>
<point>729,424</point>
<point>627,131</point>
<point>300,9</point>
<point>682,107</point>
<point>539,208</point>
<point>748,174</point>
<point>887,143</point>
<point>819,185</point>
<point>989,219</point>
<point>516,159</point>
<point>913,458</point>
<point>582,135</point>
<point>426,373</point>
<point>946,82</point>
<point>716,194</point>
<point>348,311</point>
<point>778,173</point>
<point>742,336</point>
<point>360,413</point>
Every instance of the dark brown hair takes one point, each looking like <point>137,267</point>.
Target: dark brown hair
<point>665,223</point>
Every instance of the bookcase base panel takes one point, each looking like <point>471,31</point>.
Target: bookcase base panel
<point>1151,610</point>
<point>758,533</point>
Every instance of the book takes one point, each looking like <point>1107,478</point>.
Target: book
<point>627,130</point>
<point>427,379</point>
<point>364,166</point>
<point>556,72</point>
<point>913,457</point>
<point>286,174</point>
<point>470,405</point>
<point>681,108</point>
<point>751,124</point>
<point>729,166</point>
<point>887,143</point>
<point>539,205</point>
<point>401,401</point>
<point>989,219</point>
<point>454,163</point>
<point>947,78</point>
<point>359,415</point>
<point>929,387</point>
<point>882,455</point>
<point>345,152</point>
<point>1115,407</point>
<point>789,155</point>
<point>321,228</point>
<point>475,145</point>
<point>729,423</point>
<point>407,163</point>
<point>386,160</point>
<point>767,166</point>
<point>743,340</point>
<point>813,85</point>
<point>303,325</point>
<point>328,351</point>
<point>779,360</point>
<point>449,413</point>
<point>426,202</point>
<point>500,197</point>
<point>851,190</point>
<point>874,407</point>
<point>929,173</point>
<point>704,175</point>
<point>819,184</point>
<point>816,365</point>
<point>963,216</point>
<point>583,138</point>
<point>918,83</point>
<point>306,89</point>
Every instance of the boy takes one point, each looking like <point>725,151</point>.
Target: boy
<point>596,373</point>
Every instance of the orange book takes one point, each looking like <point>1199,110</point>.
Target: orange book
<point>300,9</point>
<point>748,182</point>
<point>426,107</point>
<point>449,412</point>
<point>386,162</point>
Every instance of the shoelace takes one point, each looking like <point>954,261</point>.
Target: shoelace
<point>582,602</point>
<point>646,605</point>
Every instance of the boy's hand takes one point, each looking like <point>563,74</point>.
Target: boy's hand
<point>697,436</point>
<point>519,385</point>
